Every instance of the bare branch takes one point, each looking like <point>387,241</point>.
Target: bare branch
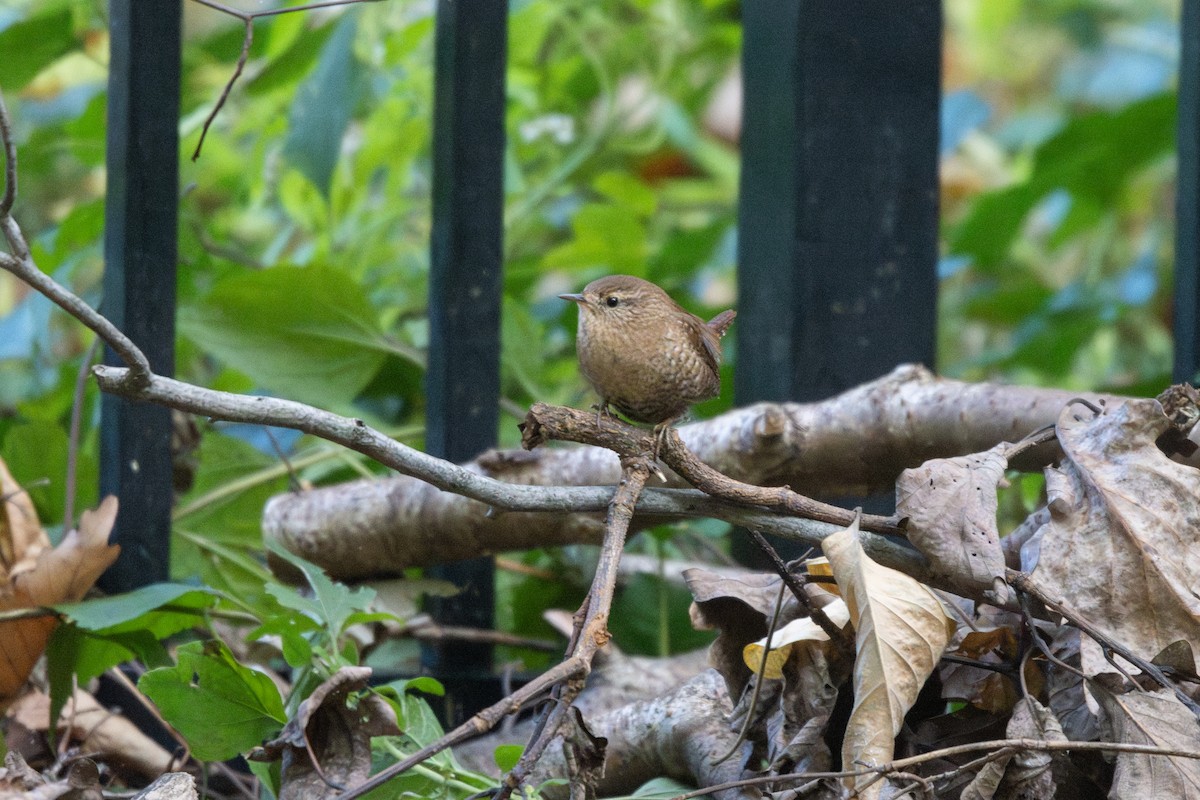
<point>353,433</point>
<point>20,263</point>
<point>247,19</point>
<point>247,40</point>
<point>10,162</point>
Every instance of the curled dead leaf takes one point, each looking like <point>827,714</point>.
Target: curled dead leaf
<point>1123,516</point>
<point>901,630</point>
<point>951,507</point>
<point>327,744</point>
<point>61,575</point>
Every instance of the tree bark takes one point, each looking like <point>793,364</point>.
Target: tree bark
<point>852,444</point>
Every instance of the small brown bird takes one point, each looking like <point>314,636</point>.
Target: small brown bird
<point>643,353</point>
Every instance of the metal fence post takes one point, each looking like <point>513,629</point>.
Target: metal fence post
<point>1187,199</point>
<point>838,221</point>
<point>139,276</point>
<point>465,291</point>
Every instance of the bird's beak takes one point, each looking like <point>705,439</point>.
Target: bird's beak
<point>574,298</point>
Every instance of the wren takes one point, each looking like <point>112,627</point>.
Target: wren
<point>644,354</point>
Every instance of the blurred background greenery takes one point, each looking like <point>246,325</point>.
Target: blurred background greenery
<point>304,228</point>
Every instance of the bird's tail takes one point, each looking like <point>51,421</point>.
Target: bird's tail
<point>721,322</point>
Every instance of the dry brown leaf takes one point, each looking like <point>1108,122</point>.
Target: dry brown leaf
<point>1160,720</point>
<point>1026,773</point>
<point>96,729</point>
<point>1124,519</point>
<point>992,638</point>
<point>60,575</point>
<point>901,630</point>
<point>951,506</point>
<point>21,534</point>
<point>327,742</point>
<point>739,608</point>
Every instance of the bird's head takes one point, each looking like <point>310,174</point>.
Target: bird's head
<point>620,298</point>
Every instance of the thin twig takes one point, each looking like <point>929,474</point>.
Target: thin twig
<point>247,40</point>
<point>85,369</point>
<point>1025,583</point>
<point>10,162</point>
<point>761,676</point>
<point>593,634</point>
<point>247,19</point>
<point>998,745</point>
<point>425,629</point>
<point>818,615</point>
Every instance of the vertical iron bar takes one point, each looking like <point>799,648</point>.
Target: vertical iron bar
<point>838,222</point>
<point>839,194</point>
<point>139,276</point>
<point>465,291</point>
<point>1187,199</point>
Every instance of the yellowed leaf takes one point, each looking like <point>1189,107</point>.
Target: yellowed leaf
<point>819,568</point>
<point>901,630</point>
<point>61,575</point>
<point>795,632</point>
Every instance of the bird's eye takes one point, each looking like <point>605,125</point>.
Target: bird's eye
<point>612,300</point>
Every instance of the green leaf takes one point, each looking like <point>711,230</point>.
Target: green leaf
<point>36,454</point>
<point>606,235</point>
<point>422,683</point>
<point>626,190</point>
<point>75,656</point>
<point>322,107</point>
<point>332,603</point>
<point>223,505</point>
<point>635,620</point>
<point>291,629</point>
<point>663,788</point>
<point>305,333</point>
<point>102,633</point>
<point>31,45</point>
<point>1092,158</point>
<point>221,707</point>
<point>138,610</point>
<point>294,60</point>
<point>507,756</point>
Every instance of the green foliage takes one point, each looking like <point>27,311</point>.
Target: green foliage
<point>99,634</point>
<point>332,606</point>
<point>221,707</point>
<point>301,332</point>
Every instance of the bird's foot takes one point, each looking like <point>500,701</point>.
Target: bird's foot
<point>602,410</point>
<point>661,431</point>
